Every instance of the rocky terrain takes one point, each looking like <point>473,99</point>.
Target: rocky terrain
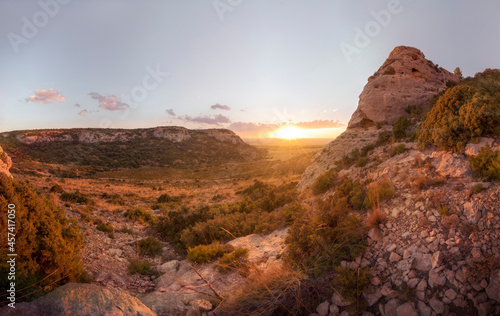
<point>406,79</point>
<point>5,163</point>
<point>426,261</point>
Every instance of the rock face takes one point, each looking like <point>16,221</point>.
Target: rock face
<point>405,79</point>
<point>82,300</point>
<point>5,163</point>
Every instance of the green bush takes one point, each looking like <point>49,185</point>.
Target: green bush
<point>398,149</point>
<point>400,128</point>
<point>77,197</point>
<point>232,260</point>
<point>351,283</point>
<point>56,188</point>
<point>487,163</point>
<point>107,228</point>
<point>324,182</point>
<point>150,246</point>
<point>47,244</point>
<point>291,211</point>
<point>477,188</point>
<point>165,198</point>
<point>207,253</point>
<point>114,198</point>
<point>140,215</point>
<point>363,161</point>
<point>466,111</point>
<point>139,266</point>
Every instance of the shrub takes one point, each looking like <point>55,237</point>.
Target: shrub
<point>150,246</point>
<point>232,260</point>
<point>398,149</point>
<point>165,198</point>
<point>114,198</point>
<point>291,211</point>
<point>443,210</point>
<point>140,215</point>
<point>47,243</point>
<point>487,163</point>
<point>477,188</point>
<point>363,161</point>
<point>351,283</point>
<point>139,266</point>
<point>324,182</point>
<point>207,253</point>
<point>107,228</point>
<point>378,192</point>
<point>400,128</point>
<point>376,218</point>
<point>464,112</point>
<point>77,197</point>
<point>56,188</point>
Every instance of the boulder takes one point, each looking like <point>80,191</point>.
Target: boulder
<point>82,300</point>
<point>451,165</point>
<point>407,309</point>
<point>493,288</point>
<point>472,212</point>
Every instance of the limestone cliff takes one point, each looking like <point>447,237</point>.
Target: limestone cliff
<point>405,79</point>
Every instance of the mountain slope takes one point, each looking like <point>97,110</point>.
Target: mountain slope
<point>105,149</point>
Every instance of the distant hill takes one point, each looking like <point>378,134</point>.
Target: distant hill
<point>107,149</point>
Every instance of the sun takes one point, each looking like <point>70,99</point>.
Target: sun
<point>289,132</point>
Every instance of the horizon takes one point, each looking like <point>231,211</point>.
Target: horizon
<point>250,67</point>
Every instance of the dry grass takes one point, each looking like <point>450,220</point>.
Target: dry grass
<point>376,218</point>
<point>278,290</point>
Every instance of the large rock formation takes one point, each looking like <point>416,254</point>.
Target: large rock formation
<point>82,300</point>
<point>405,79</point>
<point>169,146</point>
<point>5,163</point>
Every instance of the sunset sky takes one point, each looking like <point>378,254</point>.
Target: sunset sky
<point>249,66</point>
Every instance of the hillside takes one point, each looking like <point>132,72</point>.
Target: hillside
<point>108,149</point>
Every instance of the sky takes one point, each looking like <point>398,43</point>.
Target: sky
<point>250,66</point>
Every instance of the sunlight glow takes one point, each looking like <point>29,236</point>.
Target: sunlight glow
<point>289,132</point>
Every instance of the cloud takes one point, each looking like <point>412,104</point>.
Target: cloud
<point>319,124</point>
<point>212,120</point>
<point>220,107</point>
<point>170,112</point>
<point>109,102</point>
<point>45,96</point>
<point>244,127</point>
<point>77,105</point>
<point>83,113</point>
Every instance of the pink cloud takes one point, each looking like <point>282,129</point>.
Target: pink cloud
<point>45,96</point>
<point>83,113</point>
<point>220,107</point>
<point>109,102</point>
<point>212,120</point>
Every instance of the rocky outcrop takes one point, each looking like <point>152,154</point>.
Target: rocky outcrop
<point>5,163</point>
<point>82,300</point>
<point>405,79</point>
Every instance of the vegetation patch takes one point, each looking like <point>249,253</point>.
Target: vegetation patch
<point>466,111</point>
<point>77,197</point>
<point>150,246</point>
<point>208,253</point>
<point>48,244</point>
<point>487,163</point>
<point>140,215</point>
<point>139,266</point>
